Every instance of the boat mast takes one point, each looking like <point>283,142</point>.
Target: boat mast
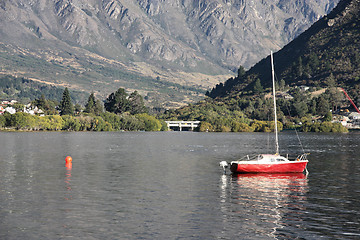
<point>275,117</point>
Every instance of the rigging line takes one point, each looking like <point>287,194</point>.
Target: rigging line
<point>297,134</point>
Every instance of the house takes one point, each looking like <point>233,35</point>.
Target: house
<point>33,110</point>
<point>354,119</point>
<point>284,95</point>
<point>304,88</point>
<point>354,116</point>
<point>10,110</point>
<point>6,103</point>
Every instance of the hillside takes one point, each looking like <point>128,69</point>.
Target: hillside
<point>170,51</point>
<point>328,53</point>
<point>310,71</point>
<point>27,90</point>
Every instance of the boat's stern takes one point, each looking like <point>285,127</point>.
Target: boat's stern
<point>233,167</point>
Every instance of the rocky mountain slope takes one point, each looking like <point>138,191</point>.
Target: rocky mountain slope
<point>327,54</point>
<point>169,50</point>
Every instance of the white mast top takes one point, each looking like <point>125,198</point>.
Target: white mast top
<point>274,97</point>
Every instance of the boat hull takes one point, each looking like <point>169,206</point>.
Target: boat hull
<point>284,167</point>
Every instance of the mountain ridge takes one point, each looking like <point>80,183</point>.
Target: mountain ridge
<point>187,39</point>
<point>330,47</point>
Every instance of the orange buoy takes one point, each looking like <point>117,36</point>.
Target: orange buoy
<point>68,159</point>
<point>68,162</point>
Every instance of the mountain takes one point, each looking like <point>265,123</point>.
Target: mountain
<point>171,51</point>
<point>328,53</point>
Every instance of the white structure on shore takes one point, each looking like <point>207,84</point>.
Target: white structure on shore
<point>182,125</point>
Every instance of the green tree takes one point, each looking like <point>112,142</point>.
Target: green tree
<point>312,107</point>
<point>328,117</point>
<point>117,102</point>
<point>314,61</point>
<point>136,103</point>
<point>322,106</point>
<point>41,103</point>
<point>98,107</point>
<point>206,127</point>
<point>56,122</point>
<point>85,122</point>
<point>330,81</point>
<point>335,97</point>
<point>90,105</point>
<point>151,123</point>
<point>113,119</point>
<point>77,109</point>
<point>240,127</point>
<point>47,106</point>
<point>2,121</point>
<point>66,106</point>
<point>258,88</point>
<point>98,124</point>
<point>18,107</point>
<point>301,108</point>
<point>282,85</point>
<point>20,120</point>
<point>241,71</point>
<point>70,123</point>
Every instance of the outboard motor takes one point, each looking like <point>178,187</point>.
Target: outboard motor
<point>224,165</point>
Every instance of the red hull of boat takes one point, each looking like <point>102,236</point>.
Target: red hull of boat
<point>288,167</point>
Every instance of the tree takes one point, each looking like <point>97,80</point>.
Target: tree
<point>313,61</point>
<point>330,80</point>
<point>117,102</point>
<point>47,106</point>
<point>322,106</point>
<point>66,106</point>
<point>150,122</point>
<point>136,104</point>
<point>99,107</point>
<point>241,71</point>
<point>18,107</point>
<point>19,120</point>
<point>70,123</point>
<point>206,127</point>
<point>90,105</point>
<point>2,121</point>
<point>55,122</point>
<point>282,85</point>
<point>77,109</point>
<point>301,108</point>
<point>335,97</point>
<point>312,107</point>
<point>328,117</point>
<point>258,88</point>
<point>41,102</point>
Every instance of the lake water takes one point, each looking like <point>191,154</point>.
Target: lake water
<point>168,185</point>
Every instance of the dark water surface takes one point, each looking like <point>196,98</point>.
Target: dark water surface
<point>168,185</point>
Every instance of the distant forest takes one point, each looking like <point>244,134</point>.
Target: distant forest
<point>25,90</point>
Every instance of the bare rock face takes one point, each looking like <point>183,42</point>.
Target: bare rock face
<point>183,34</point>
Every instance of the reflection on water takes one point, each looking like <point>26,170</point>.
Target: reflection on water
<point>265,203</point>
<point>68,194</point>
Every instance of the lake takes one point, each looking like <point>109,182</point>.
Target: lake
<point>168,185</point>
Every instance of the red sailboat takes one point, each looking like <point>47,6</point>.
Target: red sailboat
<point>270,163</point>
